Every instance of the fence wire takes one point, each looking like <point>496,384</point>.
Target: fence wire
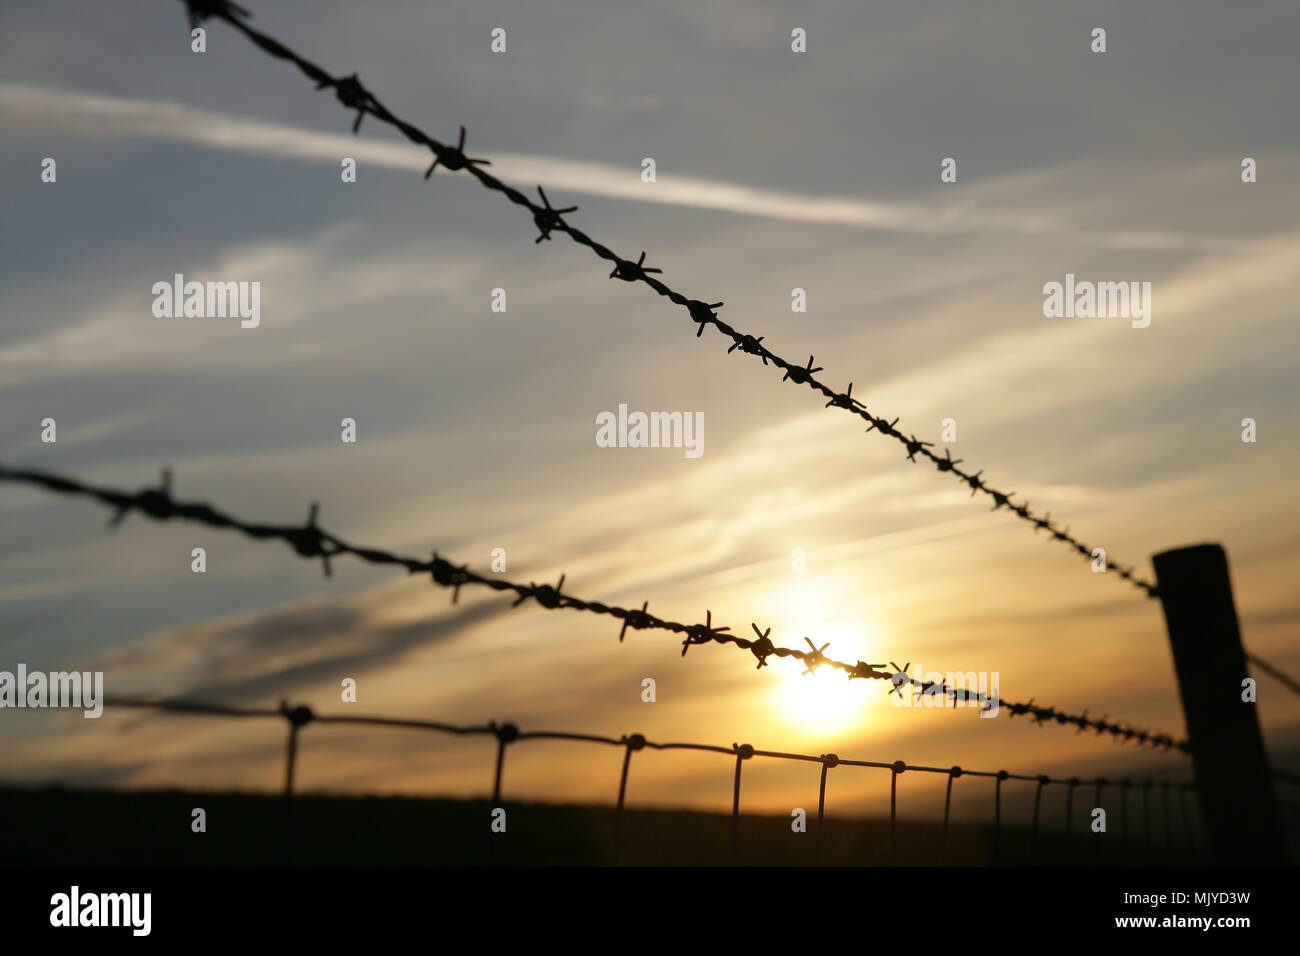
<point>507,733</point>
<point>1274,672</point>
<point>354,96</point>
<point>311,541</point>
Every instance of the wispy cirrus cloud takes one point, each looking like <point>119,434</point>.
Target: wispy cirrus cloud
<point>48,107</point>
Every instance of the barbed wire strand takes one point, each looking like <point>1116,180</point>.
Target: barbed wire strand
<point>507,733</point>
<point>352,95</point>
<point>1274,672</point>
<point>311,541</point>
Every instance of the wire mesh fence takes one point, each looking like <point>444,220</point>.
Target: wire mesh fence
<point>507,735</point>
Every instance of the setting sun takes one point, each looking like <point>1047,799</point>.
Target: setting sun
<point>825,701</point>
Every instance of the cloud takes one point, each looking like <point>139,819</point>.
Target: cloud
<point>326,280</point>
<point>46,107</point>
<point>286,649</point>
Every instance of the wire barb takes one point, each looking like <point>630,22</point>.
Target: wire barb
<point>846,400</point>
<point>547,219</point>
<point>801,376</point>
<point>703,314</point>
<point>632,271</point>
<point>201,10</point>
<point>762,648</point>
<point>635,619</point>
<point>353,95</point>
<point>454,158</point>
<point>701,633</point>
<point>815,659</point>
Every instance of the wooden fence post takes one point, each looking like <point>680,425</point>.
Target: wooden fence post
<point>1242,822</point>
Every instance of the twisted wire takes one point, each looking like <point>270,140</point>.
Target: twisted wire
<point>310,541</point>
<point>352,95</point>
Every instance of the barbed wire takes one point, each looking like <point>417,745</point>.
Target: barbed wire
<point>1274,672</point>
<point>354,96</point>
<point>311,541</point>
<point>548,219</point>
<point>507,733</point>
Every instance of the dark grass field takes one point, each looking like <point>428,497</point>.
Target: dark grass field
<point>66,827</point>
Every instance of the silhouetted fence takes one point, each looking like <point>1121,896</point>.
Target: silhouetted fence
<point>507,734</point>
<point>310,541</point>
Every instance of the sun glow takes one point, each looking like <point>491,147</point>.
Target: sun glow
<point>824,701</point>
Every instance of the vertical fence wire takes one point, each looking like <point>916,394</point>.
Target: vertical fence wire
<point>1038,800</point>
<point>632,743</point>
<point>505,734</point>
<point>743,753</point>
<point>828,761</point>
<point>894,771</point>
<point>953,773</point>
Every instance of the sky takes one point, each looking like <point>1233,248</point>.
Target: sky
<point>476,429</point>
